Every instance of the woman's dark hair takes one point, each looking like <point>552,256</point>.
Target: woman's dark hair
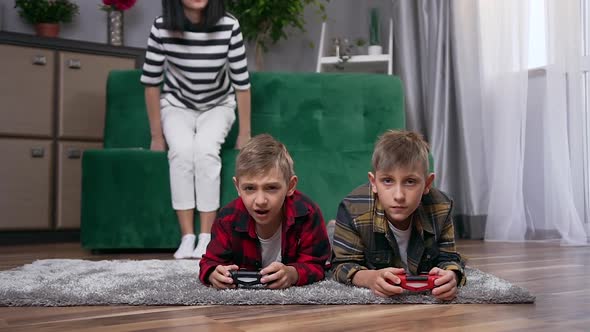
<point>174,18</point>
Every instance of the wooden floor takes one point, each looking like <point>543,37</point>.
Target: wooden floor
<point>558,276</point>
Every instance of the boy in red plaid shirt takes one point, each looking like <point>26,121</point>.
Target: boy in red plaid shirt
<point>271,226</point>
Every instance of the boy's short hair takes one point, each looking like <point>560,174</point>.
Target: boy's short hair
<point>261,154</point>
<point>400,148</point>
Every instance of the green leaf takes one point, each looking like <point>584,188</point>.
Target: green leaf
<point>267,21</point>
<point>46,11</point>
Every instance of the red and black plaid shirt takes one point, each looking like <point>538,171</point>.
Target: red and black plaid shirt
<point>304,240</point>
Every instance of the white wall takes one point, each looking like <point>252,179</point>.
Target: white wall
<point>346,18</point>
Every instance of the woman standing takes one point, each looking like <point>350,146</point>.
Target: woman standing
<point>195,70</point>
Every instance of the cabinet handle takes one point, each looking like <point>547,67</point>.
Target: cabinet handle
<point>40,60</point>
<point>74,64</point>
<point>74,153</point>
<point>37,152</point>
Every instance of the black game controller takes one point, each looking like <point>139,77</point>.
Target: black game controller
<point>246,279</point>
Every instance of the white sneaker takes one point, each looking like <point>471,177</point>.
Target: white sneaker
<point>204,239</point>
<point>186,247</point>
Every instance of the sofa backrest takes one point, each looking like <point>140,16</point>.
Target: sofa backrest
<point>325,111</point>
<point>329,123</point>
<point>126,121</point>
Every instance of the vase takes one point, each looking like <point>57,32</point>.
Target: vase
<point>115,27</point>
<point>47,29</point>
<point>375,50</point>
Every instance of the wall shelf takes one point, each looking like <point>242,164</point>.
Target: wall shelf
<point>382,63</point>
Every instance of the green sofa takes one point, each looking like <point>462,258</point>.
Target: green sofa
<point>329,123</point>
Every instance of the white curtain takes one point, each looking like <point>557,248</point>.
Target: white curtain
<point>531,121</point>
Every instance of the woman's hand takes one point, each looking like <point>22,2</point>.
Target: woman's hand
<point>158,144</point>
<point>242,140</point>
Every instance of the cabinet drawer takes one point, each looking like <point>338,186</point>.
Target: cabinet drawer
<point>69,182</point>
<point>26,91</point>
<point>25,178</point>
<point>82,93</point>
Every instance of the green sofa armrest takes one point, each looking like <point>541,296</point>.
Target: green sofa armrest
<point>126,200</point>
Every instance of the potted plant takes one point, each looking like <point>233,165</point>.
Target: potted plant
<point>46,15</point>
<point>266,22</point>
<point>360,43</point>
<point>374,34</point>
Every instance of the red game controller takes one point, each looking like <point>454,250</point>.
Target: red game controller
<point>417,283</point>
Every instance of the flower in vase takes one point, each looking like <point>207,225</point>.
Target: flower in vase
<point>120,5</point>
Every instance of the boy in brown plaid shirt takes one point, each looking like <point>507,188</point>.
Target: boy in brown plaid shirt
<point>397,223</point>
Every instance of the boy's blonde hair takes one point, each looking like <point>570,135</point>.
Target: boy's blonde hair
<point>261,154</point>
<point>400,148</point>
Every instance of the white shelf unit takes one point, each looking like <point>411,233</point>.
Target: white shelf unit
<point>382,63</point>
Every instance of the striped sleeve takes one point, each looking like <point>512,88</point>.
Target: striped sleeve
<point>238,65</point>
<point>153,67</point>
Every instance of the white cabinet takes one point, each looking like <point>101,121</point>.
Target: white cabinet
<point>26,185</point>
<point>27,91</point>
<point>53,94</point>
<point>69,182</point>
<point>82,93</point>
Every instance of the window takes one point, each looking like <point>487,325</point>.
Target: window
<point>537,34</point>
<point>585,23</point>
<point>538,57</point>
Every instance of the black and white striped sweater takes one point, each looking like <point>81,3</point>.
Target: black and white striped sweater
<point>199,69</point>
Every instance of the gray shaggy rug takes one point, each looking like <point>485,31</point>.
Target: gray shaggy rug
<point>72,282</point>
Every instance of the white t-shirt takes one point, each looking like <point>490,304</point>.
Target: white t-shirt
<point>271,248</point>
<point>402,238</point>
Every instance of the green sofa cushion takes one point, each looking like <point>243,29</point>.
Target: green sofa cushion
<point>126,200</point>
<point>340,112</point>
<point>305,111</point>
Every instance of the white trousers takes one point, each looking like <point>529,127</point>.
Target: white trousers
<point>194,141</point>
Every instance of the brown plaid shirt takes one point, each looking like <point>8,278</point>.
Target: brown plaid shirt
<point>363,240</point>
